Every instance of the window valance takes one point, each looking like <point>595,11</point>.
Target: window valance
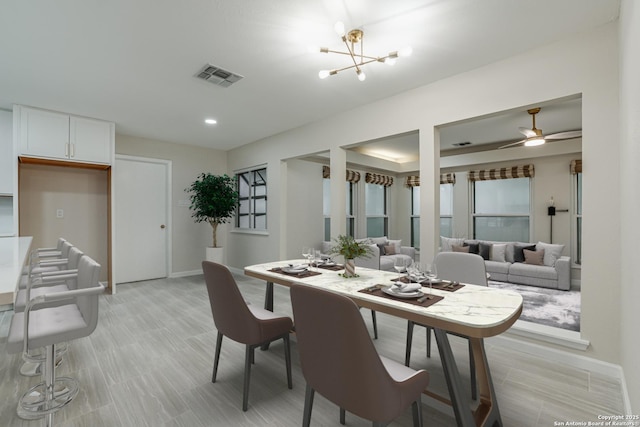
<point>351,176</point>
<point>522,171</point>
<point>445,178</point>
<point>374,178</point>
<point>576,166</point>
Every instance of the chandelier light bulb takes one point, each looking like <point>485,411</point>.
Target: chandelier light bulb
<point>211,121</point>
<point>361,75</point>
<point>323,74</point>
<point>390,61</point>
<point>339,27</point>
<point>313,49</point>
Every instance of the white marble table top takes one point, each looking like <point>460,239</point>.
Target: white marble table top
<point>13,255</point>
<point>472,310</point>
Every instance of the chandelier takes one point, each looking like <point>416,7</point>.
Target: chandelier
<point>353,40</point>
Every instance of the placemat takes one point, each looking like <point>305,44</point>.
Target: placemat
<point>303,274</point>
<point>441,286</point>
<point>413,301</point>
<point>335,267</point>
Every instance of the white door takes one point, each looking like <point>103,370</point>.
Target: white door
<point>141,218</point>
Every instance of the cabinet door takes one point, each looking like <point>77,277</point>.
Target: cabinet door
<point>91,140</point>
<point>7,156</point>
<point>43,133</point>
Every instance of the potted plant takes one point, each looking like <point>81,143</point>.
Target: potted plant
<point>214,199</point>
<point>350,249</point>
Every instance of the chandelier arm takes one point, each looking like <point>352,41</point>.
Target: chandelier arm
<point>363,56</point>
<point>335,71</point>
<point>351,54</point>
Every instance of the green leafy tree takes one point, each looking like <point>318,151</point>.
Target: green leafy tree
<point>214,199</point>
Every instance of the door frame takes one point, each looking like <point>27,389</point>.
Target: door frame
<point>169,240</point>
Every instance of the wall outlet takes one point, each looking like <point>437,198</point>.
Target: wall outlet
<point>59,213</point>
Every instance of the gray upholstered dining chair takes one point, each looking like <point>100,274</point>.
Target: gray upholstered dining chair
<point>46,261</point>
<point>340,362</point>
<point>460,267</point>
<point>248,325</point>
<point>46,328</point>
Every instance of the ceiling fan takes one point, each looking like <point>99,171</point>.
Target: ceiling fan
<point>535,137</point>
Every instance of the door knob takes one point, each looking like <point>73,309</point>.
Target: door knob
<point>163,226</point>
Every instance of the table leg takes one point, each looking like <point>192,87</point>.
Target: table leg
<point>268,305</point>
<point>487,412</point>
<point>464,417</point>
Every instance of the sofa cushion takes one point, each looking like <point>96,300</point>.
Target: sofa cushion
<point>458,248</point>
<point>390,250</point>
<point>446,243</point>
<point>484,250</point>
<point>552,252</point>
<point>534,257</point>
<point>497,267</point>
<point>396,243</point>
<point>520,269</point>
<point>378,240</point>
<point>474,248</point>
<point>386,262</point>
<point>518,255</point>
<point>381,246</point>
<point>498,252</point>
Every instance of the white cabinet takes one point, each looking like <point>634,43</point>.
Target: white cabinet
<point>55,135</point>
<point>8,177</point>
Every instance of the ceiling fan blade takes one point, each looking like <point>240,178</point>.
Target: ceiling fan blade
<point>565,135</point>
<point>512,144</point>
<point>527,132</point>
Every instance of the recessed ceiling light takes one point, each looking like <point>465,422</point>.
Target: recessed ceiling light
<point>210,121</point>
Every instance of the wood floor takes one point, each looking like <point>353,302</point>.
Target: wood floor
<point>149,363</point>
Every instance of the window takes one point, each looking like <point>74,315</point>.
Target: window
<point>376,210</point>
<point>446,210</point>
<point>578,218</point>
<point>252,189</point>
<point>326,208</point>
<point>501,209</point>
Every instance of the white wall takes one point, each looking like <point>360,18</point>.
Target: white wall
<point>630,176</point>
<point>188,238</point>
<point>585,64</point>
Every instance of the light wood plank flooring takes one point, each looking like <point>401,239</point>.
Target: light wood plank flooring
<point>149,363</point>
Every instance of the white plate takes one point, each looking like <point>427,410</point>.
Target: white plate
<point>294,269</point>
<point>413,294</point>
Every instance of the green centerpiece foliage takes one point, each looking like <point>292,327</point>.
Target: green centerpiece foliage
<point>214,199</point>
<point>349,248</point>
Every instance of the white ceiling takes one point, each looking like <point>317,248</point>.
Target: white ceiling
<point>133,62</point>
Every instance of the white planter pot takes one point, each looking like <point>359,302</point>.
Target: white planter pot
<point>215,255</point>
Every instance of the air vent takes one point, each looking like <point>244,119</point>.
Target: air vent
<point>461,144</point>
<point>218,76</point>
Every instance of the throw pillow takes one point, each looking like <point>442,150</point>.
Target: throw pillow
<point>446,243</point>
<point>458,248</point>
<point>390,250</point>
<point>382,247</point>
<point>484,250</point>
<point>474,248</point>
<point>397,244</point>
<point>498,252</point>
<point>378,240</point>
<point>518,255</point>
<point>533,257</point>
<point>551,253</point>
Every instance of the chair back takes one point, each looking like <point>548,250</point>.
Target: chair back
<point>88,276</point>
<point>231,315</point>
<point>65,248</point>
<point>337,355</point>
<point>461,267</point>
<point>73,260</point>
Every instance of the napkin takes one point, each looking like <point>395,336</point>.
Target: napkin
<point>409,287</point>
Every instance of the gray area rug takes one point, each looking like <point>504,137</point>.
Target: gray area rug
<point>550,307</point>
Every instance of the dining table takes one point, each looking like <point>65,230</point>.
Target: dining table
<point>472,311</point>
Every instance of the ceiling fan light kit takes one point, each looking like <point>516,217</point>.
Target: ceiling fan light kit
<point>535,137</point>
<point>354,43</point>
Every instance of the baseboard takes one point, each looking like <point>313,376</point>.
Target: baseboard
<point>548,334</point>
<point>185,273</point>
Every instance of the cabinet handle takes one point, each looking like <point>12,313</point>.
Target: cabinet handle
<point>73,150</point>
<point>66,150</point>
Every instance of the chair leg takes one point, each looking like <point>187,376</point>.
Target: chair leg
<point>416,408</point>
<point>343,416</point>
<point>429,341</point>
<point>472,374</point>
<point>375,324</point>
<point>247,377</point>
<point>308,406</point>
<point>217,357</point>
<point>287,359</point>
<point>407,355</point>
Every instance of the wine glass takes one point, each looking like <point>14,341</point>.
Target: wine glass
<point>400,266</point>
<point>305,253</point>
<point>431,272</point>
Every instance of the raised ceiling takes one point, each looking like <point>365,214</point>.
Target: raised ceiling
<point>134,62</point>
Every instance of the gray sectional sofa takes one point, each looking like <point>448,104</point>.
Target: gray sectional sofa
<point>383,257</point>
<point>505,261</point>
